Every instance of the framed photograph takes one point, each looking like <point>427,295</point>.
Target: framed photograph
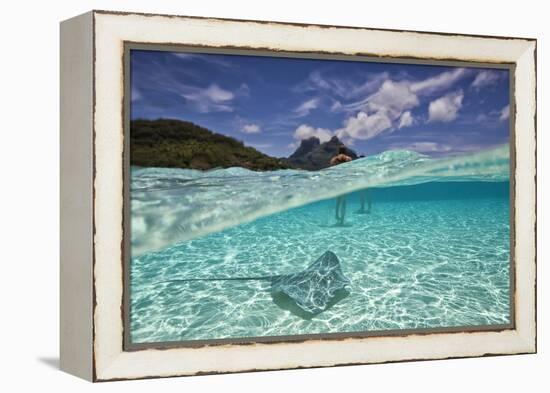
<point>247,195</point>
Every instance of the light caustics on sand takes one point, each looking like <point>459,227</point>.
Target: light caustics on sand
<point>434,251</point>
<point>169,206</point>
<point>309,292</point>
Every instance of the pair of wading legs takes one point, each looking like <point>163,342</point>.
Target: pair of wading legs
<point>365,197</point>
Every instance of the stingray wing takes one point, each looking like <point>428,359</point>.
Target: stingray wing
<point>313,289</point>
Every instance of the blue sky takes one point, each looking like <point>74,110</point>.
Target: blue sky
<point>271,103</point>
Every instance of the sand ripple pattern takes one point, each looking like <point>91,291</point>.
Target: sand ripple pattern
<point>412,264</point>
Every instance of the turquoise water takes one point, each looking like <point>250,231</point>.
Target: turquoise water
<point>433,252</point>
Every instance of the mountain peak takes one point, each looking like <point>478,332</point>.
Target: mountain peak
<point>314,155</point>
<point>306,146</point>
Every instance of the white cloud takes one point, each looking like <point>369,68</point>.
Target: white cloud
<point>346,88</point>
<point>390,106</point>
<point>217,60</point>
<point>439,82</point>
<point>393,98</point>
<point>336,106</point>
<point>364,126</point>
<point>210,99</point>
<point>305,131</point>
<point>399,96</point>
<point>485,78</point>
<point>251,128</point>
<point>504,113</point>
<point>446,108</point>
<point>217,94</point>
<point>243,90</point>
<point>186,56</point>
<point>348,141</point>
<point>317,80</point>
<point>406,120</point>
<point>423,147</point>
<point>386,104</point>
<point>306,107</point>
<point>135,94</point>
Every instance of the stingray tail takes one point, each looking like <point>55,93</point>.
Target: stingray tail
<point>261,278</point>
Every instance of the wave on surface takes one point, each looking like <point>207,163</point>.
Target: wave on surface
<point>170,205</point>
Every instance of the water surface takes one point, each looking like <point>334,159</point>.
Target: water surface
<point>433,252</point>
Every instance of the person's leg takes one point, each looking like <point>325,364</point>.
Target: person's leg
<point>369,199</point>
<point>361,201</point>
<point>343,209</point>
<point>337,210</point>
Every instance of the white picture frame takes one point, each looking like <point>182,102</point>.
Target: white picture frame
<point>93,189</point>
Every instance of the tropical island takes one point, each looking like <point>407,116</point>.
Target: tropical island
<point>170,143</point>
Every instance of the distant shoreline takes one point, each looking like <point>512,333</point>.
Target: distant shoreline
<point>171,143</point>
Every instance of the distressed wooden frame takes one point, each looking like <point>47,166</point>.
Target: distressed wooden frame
<point>92,195</point>
<point>129,345</point>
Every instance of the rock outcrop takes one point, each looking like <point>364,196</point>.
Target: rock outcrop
<point>314,155</point>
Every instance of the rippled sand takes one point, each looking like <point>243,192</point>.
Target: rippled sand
<point>417,263</point>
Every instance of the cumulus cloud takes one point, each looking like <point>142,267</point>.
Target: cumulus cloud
<point>251,128</point>
<point>504,113</point>
<point>406,120</point>
<point>305,131</point>
<point>390,106</point>
<point>381,90</point>
<point>386,103</point>
<point>210,99</point>
<point>364,126</point>
<point>485,78</point>
<point>393,98</point>
<point>383,110</point>
<point>445,109</point>
<point>217,94</point>
<point>306,107</point>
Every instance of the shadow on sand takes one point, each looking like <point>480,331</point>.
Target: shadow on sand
<point>287,303</point>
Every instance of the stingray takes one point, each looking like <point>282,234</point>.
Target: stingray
<point>312,290</point>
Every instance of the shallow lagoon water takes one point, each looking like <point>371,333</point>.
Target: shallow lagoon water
<point>429,255</point>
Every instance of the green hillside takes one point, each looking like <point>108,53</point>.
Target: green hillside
<point>180,144</point>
